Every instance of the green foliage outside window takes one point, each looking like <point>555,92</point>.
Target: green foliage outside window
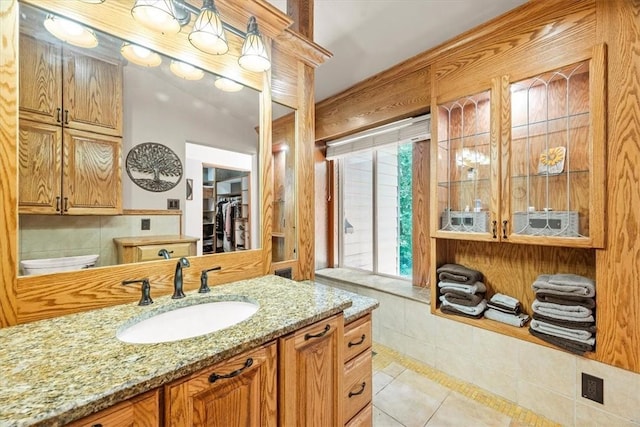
<point>405,205</point>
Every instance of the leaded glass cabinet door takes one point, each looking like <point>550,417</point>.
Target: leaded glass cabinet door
<point>555,173</point>
<point>464,173</point>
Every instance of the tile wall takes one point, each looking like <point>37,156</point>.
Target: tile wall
<point>545,380</point>
<point>52,236</point>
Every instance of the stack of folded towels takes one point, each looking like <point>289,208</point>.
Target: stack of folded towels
<point>506,309</point>
<point>461,291</point>
<point>564,310</point>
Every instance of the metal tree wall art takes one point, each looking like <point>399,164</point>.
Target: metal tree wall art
<point>154,167</point>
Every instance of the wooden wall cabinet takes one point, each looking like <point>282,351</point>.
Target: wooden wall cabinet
<point>70,131</point>
<point>139,411</point>
<point>241,391</point>
<point>523,161</point>
<point>311,375</point>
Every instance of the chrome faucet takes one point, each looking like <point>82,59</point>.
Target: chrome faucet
<point>164,253</point>
<point>177,278</point>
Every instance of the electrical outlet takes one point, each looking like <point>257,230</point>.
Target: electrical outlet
<point>592,388</point>
<point>173,204</point>
<point>146,224</point>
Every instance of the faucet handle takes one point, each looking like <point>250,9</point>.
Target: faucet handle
<point>204,286</point>
<point>145,299</point>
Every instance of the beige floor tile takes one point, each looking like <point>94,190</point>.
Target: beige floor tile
<point>458,410</point>
<point>394,369</point>
<point>381,419</point>
<point>380,381</point>
<point>406,404</point>
<point>423,384</point>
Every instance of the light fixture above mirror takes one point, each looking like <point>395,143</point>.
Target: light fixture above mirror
<point>70,32</point>
<point>140,55</point>
<point>185,71</point>
<point>227,85</point>
<point>208,32</point>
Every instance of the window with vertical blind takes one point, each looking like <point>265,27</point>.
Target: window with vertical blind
<point>375,191</point>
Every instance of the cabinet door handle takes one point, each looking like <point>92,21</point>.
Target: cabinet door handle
<point>58,204</point>
<point>359,392</point>
<point>215,377</point>
<point>318,335</point>
<point>97,425</point>
<point>504,229</point>
<point>354,343</point>
<point>494,228</point>
<point>66,204</point>
<point>66,117</point>
<point>58,115</point>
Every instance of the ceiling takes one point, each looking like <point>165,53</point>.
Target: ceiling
<point>370,36</point>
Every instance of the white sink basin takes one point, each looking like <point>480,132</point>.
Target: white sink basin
<point>187,322</point>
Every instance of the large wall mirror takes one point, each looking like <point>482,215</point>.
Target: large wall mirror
<point>218,117</point>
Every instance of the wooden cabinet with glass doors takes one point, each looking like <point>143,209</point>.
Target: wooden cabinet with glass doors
<point>523,161</point>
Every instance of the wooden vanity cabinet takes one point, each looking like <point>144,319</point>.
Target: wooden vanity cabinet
<point>146,248</point>
<point>241,391</point>
<point>70,131</point>
<point>139,411</point>
<point>311,375</point>
<point>358,386</point>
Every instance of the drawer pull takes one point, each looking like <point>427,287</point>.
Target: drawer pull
<point>318,335</point>
<point>97,425</point>
<point>354,343</point>
<point>359,392</point>
<point>215,377</point>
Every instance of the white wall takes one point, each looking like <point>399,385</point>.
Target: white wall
<point>156,110</point>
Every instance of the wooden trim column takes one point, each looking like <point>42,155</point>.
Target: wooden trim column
<point>8,161</point>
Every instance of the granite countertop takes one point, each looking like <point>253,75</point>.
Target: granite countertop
<point>58,370</point>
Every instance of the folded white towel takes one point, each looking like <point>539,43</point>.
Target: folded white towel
<point>544,328</point>
<point>565,312</point>
<point>505,300</point>
<point>472,310</point>
<point>565,284</point>
<point>559,331</point>
<point>518,320</point>
<point>477,287</point>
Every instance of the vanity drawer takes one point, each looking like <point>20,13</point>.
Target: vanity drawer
<point>357,337</point>
<point>357,385</point>
<point>363,419</point>
<point>177,250</point>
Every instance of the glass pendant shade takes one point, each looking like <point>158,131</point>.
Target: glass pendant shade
<point>70,32</point>
<point>227,85</point>
<point>140,55</point>
<point>254,53</point>
<point>207,34</point>
<point>157,15</point>
<point>186,71</point>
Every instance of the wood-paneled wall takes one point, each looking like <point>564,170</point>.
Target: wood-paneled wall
<point>530,39</point>
<point>618,266</point>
